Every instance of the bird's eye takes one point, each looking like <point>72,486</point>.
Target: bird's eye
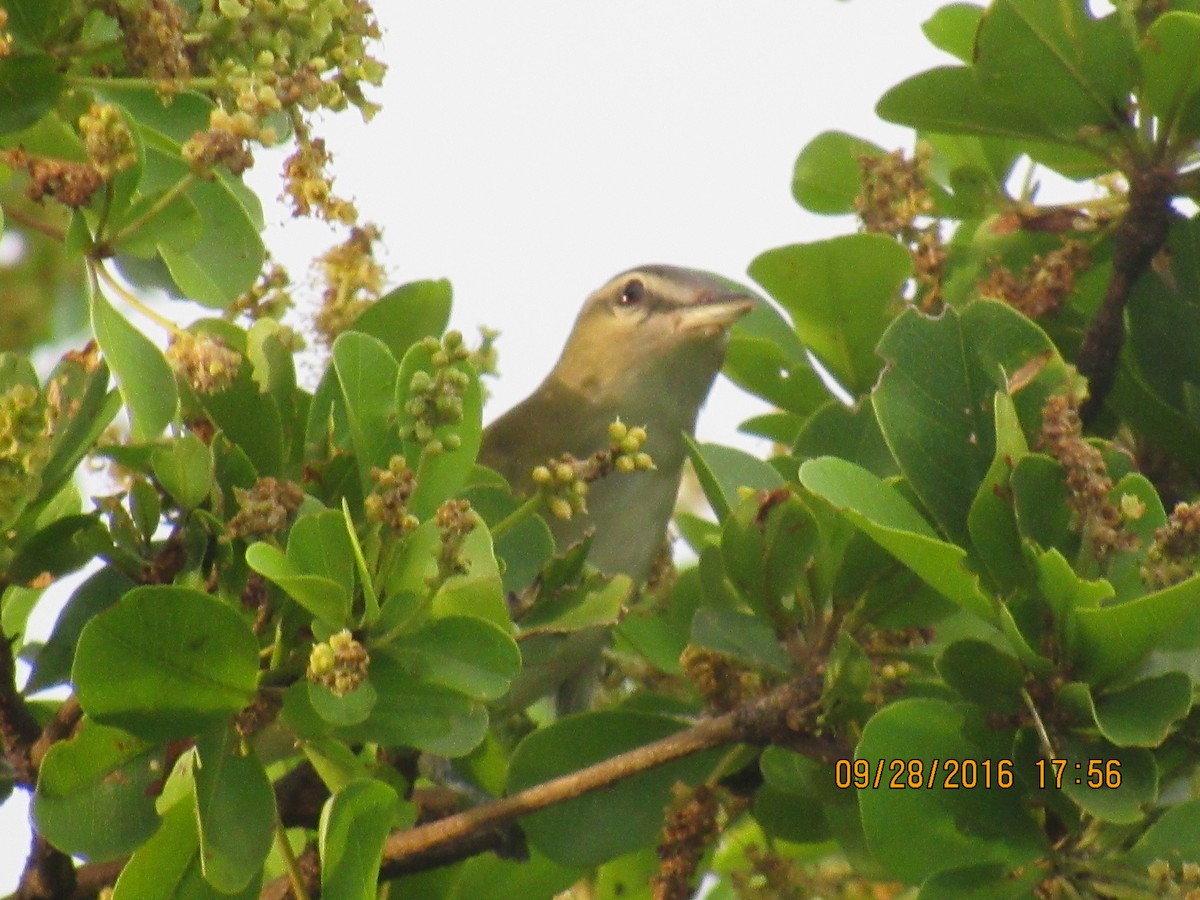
<point>632,293</point>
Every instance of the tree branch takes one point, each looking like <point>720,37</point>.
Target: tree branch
<point>19,730</point>
<point>780,716</point>
<point>1140,236</point>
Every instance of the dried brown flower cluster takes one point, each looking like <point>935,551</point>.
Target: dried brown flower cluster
<point>1095,516</point>
<point>1044,285</point>
<point>1173,555</point>
<point>692,824</point>
<point>155,38</point>
<point>310,186</point>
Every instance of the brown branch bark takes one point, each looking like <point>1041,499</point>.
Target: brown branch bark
<point>19,730</point>
<point>779,716</point>
<point>1140,236</point>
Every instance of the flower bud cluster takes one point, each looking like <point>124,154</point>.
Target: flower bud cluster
<point>353,280</point>
<point>455,520</point>
<point>341,663</point>
<point>564,482</point>
<point>204,362</point>
<point>387,502</point>
<point>24,447</point>
<point>436,399</point>
<point>1173,555</point>
<point>310,186</point>
<point>107,139</point>
<point>265,509</point>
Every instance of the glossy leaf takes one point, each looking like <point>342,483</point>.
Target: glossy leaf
<point>366,372</point>
<point>1170,62</point>
<point>95,792</point>
<point>235,809</point>
<point>185,470</point>
<point>748,638</point>
<point>828,175</point>
<point>354,824</point>
<point>468,655</point>
<point>1141,714</point>
<point>934,402</point>
<point>952,28</point>
<point>916,832</point>
<point>146,382</point>
<point>722,470</point>
<point>405,314</point>
<point>889,519</point>
<point>165,662</point>
<point>30,85</point>
<point>841,294</point>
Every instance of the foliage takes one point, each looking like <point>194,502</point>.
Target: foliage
<point>944,641</point>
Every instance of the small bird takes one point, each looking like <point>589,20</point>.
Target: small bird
<point>645,349</point>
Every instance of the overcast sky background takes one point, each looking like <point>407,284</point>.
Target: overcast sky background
<point>529,150</point>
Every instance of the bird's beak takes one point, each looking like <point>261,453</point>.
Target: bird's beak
<point>713,313</point>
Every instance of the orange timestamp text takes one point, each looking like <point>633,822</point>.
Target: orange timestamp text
<point>914,774</point>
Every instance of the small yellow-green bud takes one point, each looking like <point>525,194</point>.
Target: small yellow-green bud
<point>321,659</point>
<point>434,447</point>
<point>440,359</point>
<point>630,444</point>
<point>617,431</point>
<point>453,441</point>
<point>643,461</point>
<point>564,472</point>
<point>420,382</point>
<point>560,508</point>
<point>638,433</point>
<point>541,475</point>
<point>580,487</point>
<point>624,464</point>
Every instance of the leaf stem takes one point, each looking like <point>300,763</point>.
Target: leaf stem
<point>516,517</point>
<point>106,246</point>
<point>295,876</point>
<point>98,270</point>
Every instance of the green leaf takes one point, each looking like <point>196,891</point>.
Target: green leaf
<point>1124,780</point>
<point>154,225</point>
<point>1142,713</point>
<point>751,639</point>
<point>828,175</point>
<point>848,432</point>
<point>767,545</point>
<point>991,520</point>
<point>146,382</point>
<point>223,264</point>
<point>1175,838</point>
<point>405,314</point>
<point>600,825</point>
<point>414,713</point>
<point>367,371</point>
<point>354,825</point>
<point>32,21</point>
<point>841,294</point>
<point>87,409</point>
<point>235,810</point>
<point>1170,61</point>
<point>30,85</point>
<point>184,469</point>
<point>722,470</point>
<point>100,591</point>
<point>916,832</point>
<point>934,401</point>
<point>167,867</point>
<point>985,881</point>
<point>467,655</point>
<point>1110,641</point>
<point>95,792</point>
<point>952,28</point>
<point>343,710</point>
<point>949,100</point>
<point>63,546</point>
<point>765,357</point>
<point>983,674</point>
<point>325,598</point>
<point>165,662</point>
<point>882,513</point>
<point>1056,61</point>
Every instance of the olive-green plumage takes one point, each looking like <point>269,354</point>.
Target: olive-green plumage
<point>646,349</point>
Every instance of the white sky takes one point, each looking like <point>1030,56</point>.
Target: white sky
<point>529,150</point>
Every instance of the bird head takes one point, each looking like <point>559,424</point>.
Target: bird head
<point>651,328</point>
